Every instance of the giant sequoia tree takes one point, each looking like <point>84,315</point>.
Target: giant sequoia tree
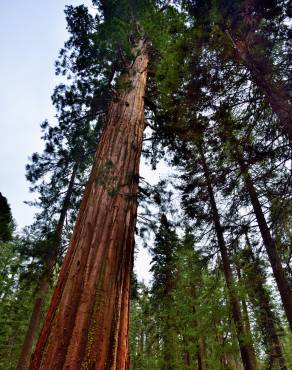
<point>217,110</point>
<point>58,174</point>
<point>91,299</point>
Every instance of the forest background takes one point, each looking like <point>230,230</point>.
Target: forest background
<point>213,302</point>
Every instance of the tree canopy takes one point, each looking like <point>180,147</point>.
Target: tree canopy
<point>212,104</point>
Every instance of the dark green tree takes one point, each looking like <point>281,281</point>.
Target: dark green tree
<point>6,221</point>
<point>164,280</point>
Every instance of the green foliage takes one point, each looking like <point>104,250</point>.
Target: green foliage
<point>287,342</point>
<point>16,300</point>
<point>6,222</point>
<point>185,315</point>
<point>201,98</point>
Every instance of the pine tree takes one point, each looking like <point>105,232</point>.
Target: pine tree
<point>53,253</point>
<point>247,352</point>
<point>218,112</point>
<point>250,32</point>
<point>269,242</point>
<point>15,294</point>
<point>261,299</point>
<point>164,278</point>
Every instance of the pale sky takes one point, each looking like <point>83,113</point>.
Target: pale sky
<point>31,34</point>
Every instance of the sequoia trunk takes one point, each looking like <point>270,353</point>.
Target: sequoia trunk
<point>246,349</point>
<point>87,323</point>
<point>43,286</point>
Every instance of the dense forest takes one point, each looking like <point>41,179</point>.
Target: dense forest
<point>203,89</point>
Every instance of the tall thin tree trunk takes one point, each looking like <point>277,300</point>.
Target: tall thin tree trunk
<point>169,336</point>
<point>87,322</point>
<point>186,353</point>
<point>270,245</point>
<point>260,297</point>
<point>202,365</point>
<point>34,322</point>
<point>243,303</point>
<point>246,349</point>
<point>43,286</point>
<point>201,354</point>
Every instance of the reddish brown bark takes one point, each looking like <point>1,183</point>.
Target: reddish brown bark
<point>43,286</point>
<point>244,304</point>
<point>87,323</point>
<point>246,349</point>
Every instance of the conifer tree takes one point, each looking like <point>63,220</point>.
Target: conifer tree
<point>15,293</point>
<point>218,111</point>
<point>95,276</point>
<point>247,352</point>
<point>164,280</point>
<point>252,32</point>
<point>261,299</point>
<point>269,242</point>
<point>58,177</point>
<point>6,222</point>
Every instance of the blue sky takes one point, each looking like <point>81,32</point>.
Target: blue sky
<point>31,34</point>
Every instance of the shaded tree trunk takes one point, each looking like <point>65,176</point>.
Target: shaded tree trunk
<point>201,347</point>
<point>87,322</point>
<point>261,67</point>
<point>275,93</point>
<point>244,304</point>
<point>246,349</point>
<point>186,360</point>
<point>270,245</point>
<point>34,322</point>
<point>260,297</point>
<point>202,354</point>
<point>169,338</point>
<point>43,286</point>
